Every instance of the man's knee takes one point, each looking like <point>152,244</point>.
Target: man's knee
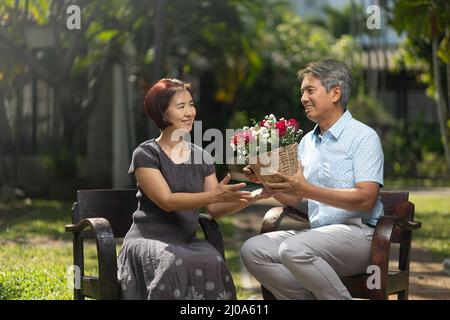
<point>290,253</point>
<point>249,248</point>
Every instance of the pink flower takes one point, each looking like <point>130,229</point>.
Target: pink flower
<point>249,137</point>
<point>242,137</point>
<point>237,138</point>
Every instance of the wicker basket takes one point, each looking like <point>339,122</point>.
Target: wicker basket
<point>282,160</point>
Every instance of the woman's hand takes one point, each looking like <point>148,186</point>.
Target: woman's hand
<point>295,184</point>
<point>250,175</point>
<point>261,193</point>
<point>229,193</point>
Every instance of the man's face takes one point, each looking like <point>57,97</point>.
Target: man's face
<point>315,99</point>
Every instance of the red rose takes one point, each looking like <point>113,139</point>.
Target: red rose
<point>281,126</point>
<point>293,123</point>
<point>262,123</point>
<point>234,140</point>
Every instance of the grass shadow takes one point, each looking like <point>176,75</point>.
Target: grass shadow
<point>38,219</point>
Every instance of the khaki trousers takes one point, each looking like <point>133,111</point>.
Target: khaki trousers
<point>307,264</point>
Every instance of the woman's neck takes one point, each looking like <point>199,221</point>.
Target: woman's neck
<point>177,151</point>
<point>165,139</point>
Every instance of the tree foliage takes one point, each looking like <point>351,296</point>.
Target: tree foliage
<point>426,49</point>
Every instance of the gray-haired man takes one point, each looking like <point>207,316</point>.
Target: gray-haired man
<point>340,175</point>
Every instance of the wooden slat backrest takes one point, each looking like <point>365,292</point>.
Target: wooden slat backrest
<point>391,199</point>
<point>396,203</point>
<point>117,206</point>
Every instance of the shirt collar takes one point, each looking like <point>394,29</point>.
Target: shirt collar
<point>337,128</point>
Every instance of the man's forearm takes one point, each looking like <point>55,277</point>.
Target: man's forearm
<point>288,199</point>
<point>354,199</point>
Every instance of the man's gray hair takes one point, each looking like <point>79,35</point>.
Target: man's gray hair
<point>331,73</point>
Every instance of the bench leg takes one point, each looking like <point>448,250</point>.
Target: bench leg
<point>402,295</point>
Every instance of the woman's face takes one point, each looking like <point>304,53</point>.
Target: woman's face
<point>181,111</point>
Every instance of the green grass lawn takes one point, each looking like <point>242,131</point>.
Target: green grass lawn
<point>434,213</point>
<point>36,253</point>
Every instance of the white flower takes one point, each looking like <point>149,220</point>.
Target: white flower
<point>263,133</point>
<point>263,141</point>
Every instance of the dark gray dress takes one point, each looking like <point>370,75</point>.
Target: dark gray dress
<point>160,257</point>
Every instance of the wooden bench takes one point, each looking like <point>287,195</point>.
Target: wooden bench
<point>104,216</point>
<point>395,227</point>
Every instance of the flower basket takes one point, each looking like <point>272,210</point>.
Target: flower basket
<point>269,146</point>
<point>283,160</point>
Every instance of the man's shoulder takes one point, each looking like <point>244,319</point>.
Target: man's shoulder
<point>360,129</point>
<point>306,138</point>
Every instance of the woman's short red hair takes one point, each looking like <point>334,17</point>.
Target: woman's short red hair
<point>158,97</point>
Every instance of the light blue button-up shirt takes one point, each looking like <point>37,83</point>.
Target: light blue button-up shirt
<point>347,153</point>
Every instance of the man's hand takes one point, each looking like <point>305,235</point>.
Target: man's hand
<point>295,184</point>
<point>250,175</point>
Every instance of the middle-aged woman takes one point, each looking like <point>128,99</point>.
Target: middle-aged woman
<point>161,258</point>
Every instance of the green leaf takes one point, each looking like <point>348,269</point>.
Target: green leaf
<point>106,35</point>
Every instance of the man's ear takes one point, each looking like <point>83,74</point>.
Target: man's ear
<point>337,93</point>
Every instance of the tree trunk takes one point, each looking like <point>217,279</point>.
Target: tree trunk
<point>5,137</point>
<point>447,67</point>
<point>440,103</point>
<point>5,128</point>
<point>56,119</point>
<point>158,66</point>
<point>18,127</point>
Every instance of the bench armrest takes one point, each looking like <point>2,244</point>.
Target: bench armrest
<point>382,239</point>
<point>106,254</point>
<point>272,219</point>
